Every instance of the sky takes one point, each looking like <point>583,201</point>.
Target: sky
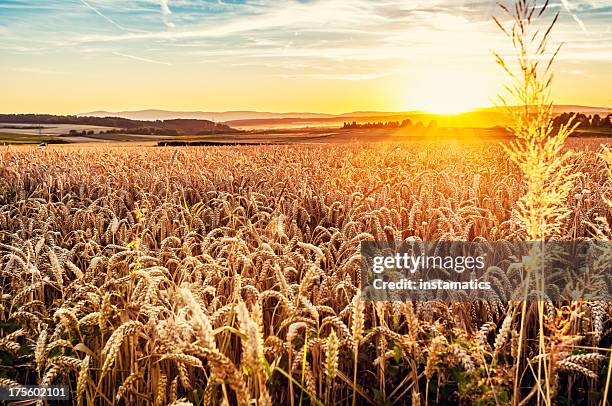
<point>331,56</point>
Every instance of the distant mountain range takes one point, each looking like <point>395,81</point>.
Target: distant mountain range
<point>152,114</point>
<point>485,117</point>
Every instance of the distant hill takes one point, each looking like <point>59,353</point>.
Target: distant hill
<point>485,117</point>
<point>471,120</point>
<point>200,115</point>
<point>121,124</point>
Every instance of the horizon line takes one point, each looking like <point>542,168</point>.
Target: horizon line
<point>365,111</point>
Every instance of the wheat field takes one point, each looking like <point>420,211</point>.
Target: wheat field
<point>231,275</point>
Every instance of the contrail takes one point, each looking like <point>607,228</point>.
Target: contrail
<point>95,10</point>
<point>574,16</point>
<point>138,58</point>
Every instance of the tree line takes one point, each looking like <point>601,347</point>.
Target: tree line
<point>407,123</point>
<point>124,125</point>
<point>584,121</point>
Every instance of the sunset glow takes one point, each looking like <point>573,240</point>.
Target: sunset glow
<point>310,55</point>
<point>449,92</point>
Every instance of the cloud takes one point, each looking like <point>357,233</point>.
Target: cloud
<point>294,16</point>
<point>340,76</point>
<point>331,32</point>
<point>394,32</point>
<point>165,8</point>
<point>40,71</point>
<point>138,58</point>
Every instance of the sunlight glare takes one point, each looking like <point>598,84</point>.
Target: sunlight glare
<point>449,91</point>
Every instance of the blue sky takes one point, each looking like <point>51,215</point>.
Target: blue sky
<point>317,55</point>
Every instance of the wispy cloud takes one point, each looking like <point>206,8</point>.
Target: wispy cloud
<point>380,27</point>
<point>165,8</point>
<point>40,71</point>
<point>141,59</point>
<point>293,16</point>
<point>340,76</point>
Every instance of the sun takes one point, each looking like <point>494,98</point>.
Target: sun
<point>448,91</point>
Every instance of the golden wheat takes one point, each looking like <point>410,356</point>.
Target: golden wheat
<point>235,277</point>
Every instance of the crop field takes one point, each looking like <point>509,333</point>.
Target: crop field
<point>48,129</point>
<point>231,275</point>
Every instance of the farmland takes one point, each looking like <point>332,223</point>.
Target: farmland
<point>147,275</point>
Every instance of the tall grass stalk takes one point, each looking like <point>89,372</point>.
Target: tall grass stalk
<point>537,151</point>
